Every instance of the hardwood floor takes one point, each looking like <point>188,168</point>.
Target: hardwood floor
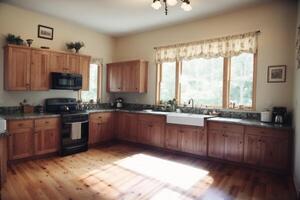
<point>128,172</point>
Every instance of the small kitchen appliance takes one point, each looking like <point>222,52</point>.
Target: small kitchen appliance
<point>2,125</point>
<point>74,124</point>
<point>119,102</point>
<point>266,116</point>
<point>279,115</point>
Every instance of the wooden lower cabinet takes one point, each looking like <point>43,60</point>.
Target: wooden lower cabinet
<point>226,141</point>
<point>3,160</point>
<point>21,139</point>
<point>33,137</point>
<point>127,126</point>
<point>267,147</point>
<point>100,127</point>
<point>151,130</point>
<point>188,139</point>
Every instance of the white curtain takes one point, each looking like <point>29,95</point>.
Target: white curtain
<point>212,48</point>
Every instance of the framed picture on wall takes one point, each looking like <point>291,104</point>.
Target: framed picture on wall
<point>45,32</point>
<point>277,74</point>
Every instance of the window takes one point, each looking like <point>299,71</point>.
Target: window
<point>216,83</point>
<point>94,85</point>
<point>202,80</point>
<point>168,81</point>
<point>241,80</point>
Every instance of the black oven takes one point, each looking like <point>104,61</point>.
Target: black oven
<point>65,81</point>
<point>71,142</point>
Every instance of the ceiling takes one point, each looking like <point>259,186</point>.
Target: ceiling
<point>123,17</point>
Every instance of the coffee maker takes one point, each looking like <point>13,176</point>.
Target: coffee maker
<point>279,115</point>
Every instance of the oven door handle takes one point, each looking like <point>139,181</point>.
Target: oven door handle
<point>70,123</point>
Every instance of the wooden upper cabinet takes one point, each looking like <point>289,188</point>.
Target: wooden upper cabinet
<point>39,70</point>
<point>129,76</point>
<point>84,70</point>
<point>58,62</point>
<point>17,68</point>
<point>73,64</point>
<point>28,68</point>
<point>114,78</point>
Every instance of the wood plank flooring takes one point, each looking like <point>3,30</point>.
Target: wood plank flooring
<point>128,172</point>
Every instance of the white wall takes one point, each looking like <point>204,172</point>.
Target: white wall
<point>24,23</point>
<point>297,120</point>
<point>276,21</point>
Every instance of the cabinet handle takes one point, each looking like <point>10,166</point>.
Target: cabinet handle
<point>46,122</point>
<point>99,117</point>
<point>21,124</point>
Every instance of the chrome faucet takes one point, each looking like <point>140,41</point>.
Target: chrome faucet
<point>191,101</point>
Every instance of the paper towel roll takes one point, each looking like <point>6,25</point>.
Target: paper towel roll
<point>266,116</point>
<point>2,125</point>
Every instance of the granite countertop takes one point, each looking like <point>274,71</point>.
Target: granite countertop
<point>20,116</point>
<point>250,122</point>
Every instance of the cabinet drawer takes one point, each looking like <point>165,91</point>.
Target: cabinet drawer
<point>47,123</point>
<point>152,118</point>
<point>101,117</point>
<point>225,127</point>
<point>19,124</point>
<point>266,132</point>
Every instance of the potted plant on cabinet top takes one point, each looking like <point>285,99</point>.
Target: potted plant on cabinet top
<point>75,45</point>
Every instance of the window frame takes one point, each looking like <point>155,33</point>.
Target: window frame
<point>226,84</point>
<point>99,83</point>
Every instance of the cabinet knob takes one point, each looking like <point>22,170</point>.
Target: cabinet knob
<point>46,122</point>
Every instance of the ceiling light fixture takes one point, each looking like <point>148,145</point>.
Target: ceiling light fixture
<point>186,4</point>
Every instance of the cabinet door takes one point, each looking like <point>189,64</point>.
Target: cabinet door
<point>94,132</point>
<point>21,143</point>
<point>274,152</point>
<point>189,137</point>
<point>73,64</point>
<point>130,78</point>
<point>58,62</point>
<point>17,69</point>
<point>144,132</point>
<point>156,134</point>
<point>216,143</point>
<point>201,147</point>
<point>46,141</point>
<point>39,71</point>
<point>234,146</point>
<point>252,149</point>
<point>106,132</point>
<point>114,78</point>
<point>172,137</point>
<point>84,66</point>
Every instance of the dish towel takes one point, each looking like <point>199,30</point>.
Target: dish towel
<point>76,131</point>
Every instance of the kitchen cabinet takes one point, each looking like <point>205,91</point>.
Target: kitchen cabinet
<point>58,62</point>
<point>3,160</point>
<point>267,147</point>
<point>21,140</point>
<point>100,127</point>
<point>46,136</point>
<point>84,70</point>
<point>28,69</point>
<point>127,128</point>
<point>39,70</point>
<point>190,139</point>
<point>17,68</point>
<point>151,130</point>
<point>33,137</point>
<point>129,76</point>
<point>226,141</point>
<point>73,64</point>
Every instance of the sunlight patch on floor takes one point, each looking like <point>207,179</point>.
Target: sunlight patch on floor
<point>169,194</point>
<point>173,173</point>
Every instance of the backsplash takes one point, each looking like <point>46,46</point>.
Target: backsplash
<point>130,106</point>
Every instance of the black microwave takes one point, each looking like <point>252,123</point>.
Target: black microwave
<point>65,81</point>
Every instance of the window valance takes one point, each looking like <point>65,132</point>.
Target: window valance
<point>212,48</point>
